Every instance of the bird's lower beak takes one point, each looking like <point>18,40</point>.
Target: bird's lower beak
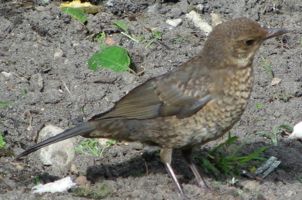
<point>274,32</point>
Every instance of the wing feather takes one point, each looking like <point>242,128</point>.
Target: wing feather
<point>166,95</point>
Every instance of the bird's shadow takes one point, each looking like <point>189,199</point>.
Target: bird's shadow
<point>290,155</point>
<point>147,163</point>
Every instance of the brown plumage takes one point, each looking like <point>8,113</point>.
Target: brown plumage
<point>197,103</point>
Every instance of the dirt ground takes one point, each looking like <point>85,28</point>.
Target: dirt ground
<point>39,42</point>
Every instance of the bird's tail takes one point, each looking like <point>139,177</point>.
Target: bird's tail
<point>72,132</point>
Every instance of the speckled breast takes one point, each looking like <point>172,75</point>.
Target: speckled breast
<point>216,118</point>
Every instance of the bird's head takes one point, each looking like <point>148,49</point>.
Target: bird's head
<point>237,41</point>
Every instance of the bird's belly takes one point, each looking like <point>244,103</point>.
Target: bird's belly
<point>208,124</point>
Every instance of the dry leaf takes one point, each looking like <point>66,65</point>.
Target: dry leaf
<point>86,6</point>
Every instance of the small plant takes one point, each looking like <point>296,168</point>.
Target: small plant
<point>37,180</point>
<point>4,104</point>
<point>121,24</point>
<point>101,37</point>
<point>226,159</point>
<point>156,35</point>
<point>93,147</point>
<point>75,13</point>
<point>267,66</point>
<point>275,132</point>
<point>96,191</point>
<point>2,141</point>
<point>259,106</point>
<point>179,40</point>
<point>24,92</point>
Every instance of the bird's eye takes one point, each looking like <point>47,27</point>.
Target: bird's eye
<point>249,42</point>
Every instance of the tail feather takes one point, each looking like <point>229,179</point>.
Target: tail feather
<point>72,132</point>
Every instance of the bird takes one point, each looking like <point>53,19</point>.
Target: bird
<point>185,108</point>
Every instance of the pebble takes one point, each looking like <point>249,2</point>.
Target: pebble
<point>199,22</point>
<point>199,7</point>
<point>58,155</point>
<point>6,74</point>
<point>58,53</point>
<point>275,81</point>
<point>153,8</point>
<point>174,22</point>
<point>36,82</point>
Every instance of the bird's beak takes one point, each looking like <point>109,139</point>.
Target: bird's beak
<point>274,32</point>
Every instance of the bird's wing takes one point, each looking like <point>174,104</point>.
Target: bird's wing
<point>172,94</point>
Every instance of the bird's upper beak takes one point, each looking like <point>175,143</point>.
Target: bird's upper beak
<point>274,32</point>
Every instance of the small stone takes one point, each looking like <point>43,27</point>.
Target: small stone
<point>199,22</point>
<point>277,114</point>
<point>36,82</point>
<point>275,81</point>
<point>43,2</point>
<point>110,3</point>
<point>174,22</point>
<point>6,74</point>
<point>58,155</point>
<point>153,8</point>
<point>199,7</point>
<point>58,53</point>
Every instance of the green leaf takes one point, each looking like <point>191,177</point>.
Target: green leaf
<point>286,127</point>
<point>157,35</point>
<point>101,37</point>
<point>209,167</point>
<point>121,24</point>
<point>89,146</point>
<point>4,104</point>
<point>2,142</point>
<point>76,13</point>
<point>114,57</point>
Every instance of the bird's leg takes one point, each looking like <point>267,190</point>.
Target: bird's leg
<point>187,154</point>
<point>166,158</point>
